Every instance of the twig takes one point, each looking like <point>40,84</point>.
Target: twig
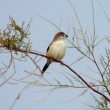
<point>72,70</point>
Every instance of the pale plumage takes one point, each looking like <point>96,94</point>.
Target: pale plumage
<point>56,49</point>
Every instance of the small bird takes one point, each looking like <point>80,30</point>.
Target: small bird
<point>56,49</point>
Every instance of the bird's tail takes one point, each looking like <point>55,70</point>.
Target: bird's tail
<point>46,66</point>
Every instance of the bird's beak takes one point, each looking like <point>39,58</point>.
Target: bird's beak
<point>66,36</point>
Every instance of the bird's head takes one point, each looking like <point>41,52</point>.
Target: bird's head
<point>60,35</point>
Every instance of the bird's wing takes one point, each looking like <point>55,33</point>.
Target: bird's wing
<point>47,49</point>
<point>49,46</point>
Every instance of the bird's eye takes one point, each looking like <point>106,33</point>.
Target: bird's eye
<point>63,36</point>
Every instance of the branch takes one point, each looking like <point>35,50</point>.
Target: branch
<point>72,70</point>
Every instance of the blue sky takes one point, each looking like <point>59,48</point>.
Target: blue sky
<point>42,32</point>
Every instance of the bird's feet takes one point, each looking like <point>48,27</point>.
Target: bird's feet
<point>61,63</point>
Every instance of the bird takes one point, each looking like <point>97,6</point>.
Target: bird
<point>56,49</point>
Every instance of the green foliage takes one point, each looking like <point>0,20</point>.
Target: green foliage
<point>15,37</point>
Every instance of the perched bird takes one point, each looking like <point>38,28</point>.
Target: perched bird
<point>56,49</point>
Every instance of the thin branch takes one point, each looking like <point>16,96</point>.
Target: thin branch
<point>100,73</point>
<point>93,18</point>
<point>73,71</point>
<point>58,28</point>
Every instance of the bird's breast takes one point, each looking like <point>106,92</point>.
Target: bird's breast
<point>57,50</point>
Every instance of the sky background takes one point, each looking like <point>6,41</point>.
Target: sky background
<point>42,32</point>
